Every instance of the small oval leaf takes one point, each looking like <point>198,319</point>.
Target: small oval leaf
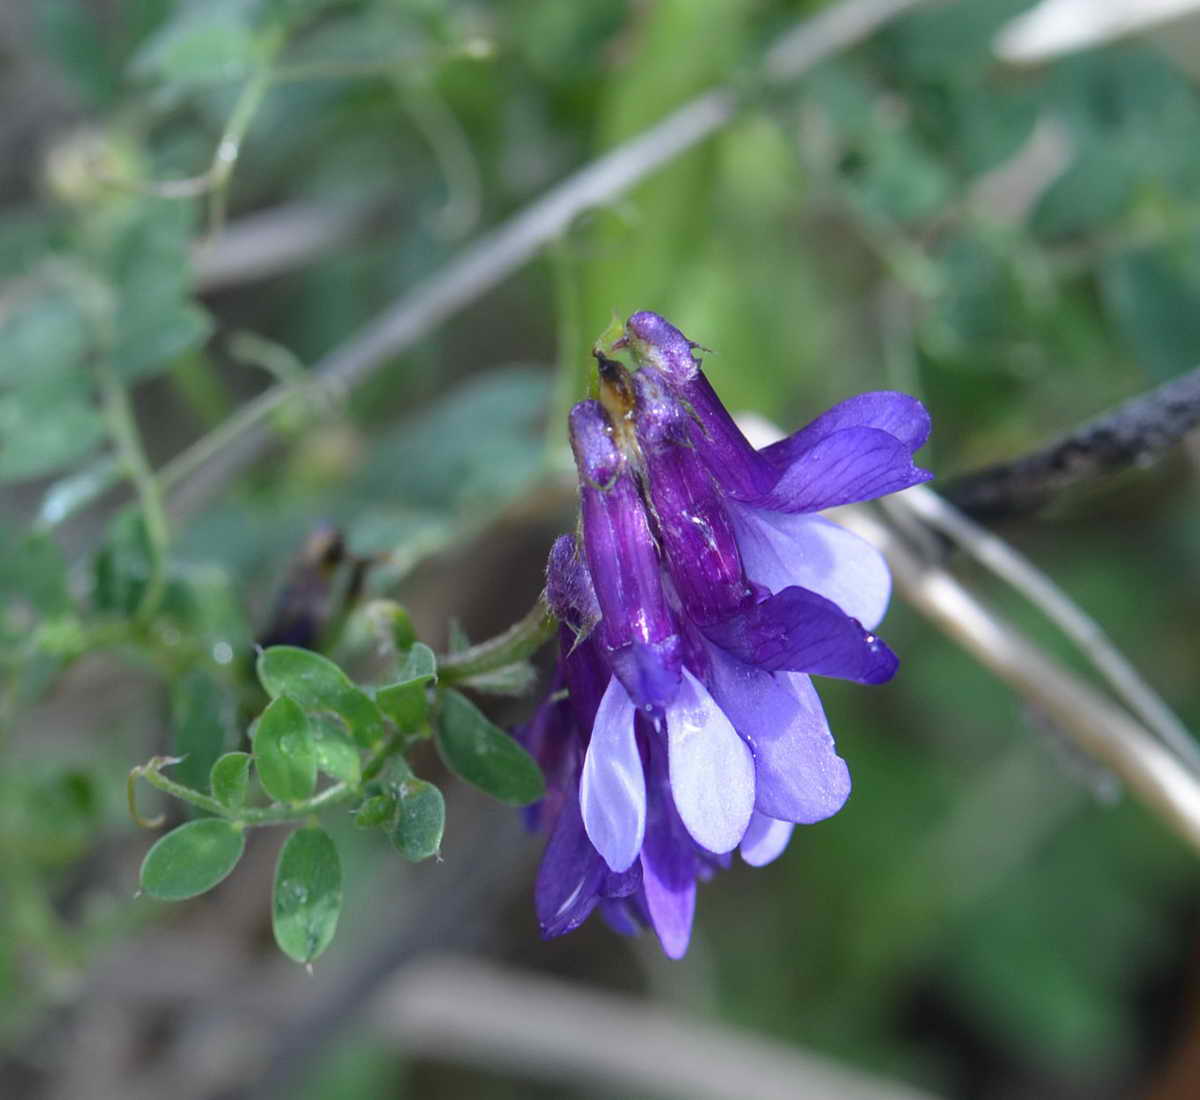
<point>337,756</point>
<point>484,755</point>
<point>229,778</point>
<point>191,859</point>
<point>317,684</point>
<point>420,664</point>
<point>375,811</point>
<point>405,703</point>
<point>420,818</point>
<point>284,753</point>
<point>307,897</point>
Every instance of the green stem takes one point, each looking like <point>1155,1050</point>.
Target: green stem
<point>333,795</point>
<point>230,145</point>
<point>521,640</point>
<point>122,426</point>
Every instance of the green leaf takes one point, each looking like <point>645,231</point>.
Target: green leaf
<point>202,721</point>
<point>317,684</point>
<point>284,753</point>
<point>337,755</point>
<point>308,894</point>
<point>208,43</point>
<point>43,429</point>
<point>421,663</point>
<point>375,811</point>
<point>229,778</point>
<point>405,703</point>
<point>192,859</point>
<point>420,819</point>
<point>484,755</point>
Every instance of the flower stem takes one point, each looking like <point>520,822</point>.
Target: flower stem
<point>521,640</point>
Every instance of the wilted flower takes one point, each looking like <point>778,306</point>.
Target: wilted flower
<point>683,723</point>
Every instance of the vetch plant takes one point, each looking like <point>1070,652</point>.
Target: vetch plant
<point>699,596</point>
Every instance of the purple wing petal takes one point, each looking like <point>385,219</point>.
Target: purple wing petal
<point>800,776</point>
<point>570,875</point>
<point>798,631</point>
<point>711,769</point>
<point>895,413</point>
<point>612,790</point>
<point>853,464</point>
<point>669,865</point>
<point>780,550</point>
<point>765,840</point>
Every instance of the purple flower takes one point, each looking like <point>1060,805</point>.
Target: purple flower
<point>682,723</point>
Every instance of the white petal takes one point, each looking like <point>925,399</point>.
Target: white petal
<point>612,788</point>
<point>765,840</point>
<point>711,769</point>
<point>780,550</point>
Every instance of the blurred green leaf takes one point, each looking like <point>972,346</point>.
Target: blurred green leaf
<point>375,811</point>
<point>202,724</point>
<point>192,859</point>
<point>420,819</point>
<point>307,898</point>
<point>230,779</point>
<point>317,684</point>
<point>208,43</point>
<point>478,751</point>
<point>44,429</point>
<point>283,751</point>
<point>1155,297</point>
<point>45,338</point>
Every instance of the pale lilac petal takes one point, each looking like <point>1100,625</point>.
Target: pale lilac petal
<point>672,907</point>
<point>780,550</point>
<point>612,790</point>
<point>711,769</point>
<point>765,840</point>
<point>799,775</point>
<point>798,631</point>
<point>895,413</point>
<point>570,874</point>
<point>849,465</point>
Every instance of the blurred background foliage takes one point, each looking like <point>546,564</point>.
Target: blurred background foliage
<point>988,917</point>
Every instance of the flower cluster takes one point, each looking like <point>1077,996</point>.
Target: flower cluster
<point>701,594</point>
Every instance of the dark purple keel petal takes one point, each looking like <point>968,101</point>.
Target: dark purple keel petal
<point>798,631</point>
<point>847,466</point>
<point>711,769</point>
<point>669,867</point>
<point>765,840</point>
<point>570,875</point>
<point>621,915</point>
<point>780,551</point>
<point>895,413</point>
<point>798,774</point>
<point>649,672</point>
<point>612,788</point>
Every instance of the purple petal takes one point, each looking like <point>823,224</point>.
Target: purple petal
<point>849,465</point>
<point>649,672</point>
<point>800,776</point>
<point>612,790</point>
<point>780,550</point>
<point>796,630</point>
<point>621,915</point>
<point>711,769</point>
<point>765,840</point>
<point>895,413</point>
<point>669,864</point>
<point>657,343</point>
<point>570,874</point>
